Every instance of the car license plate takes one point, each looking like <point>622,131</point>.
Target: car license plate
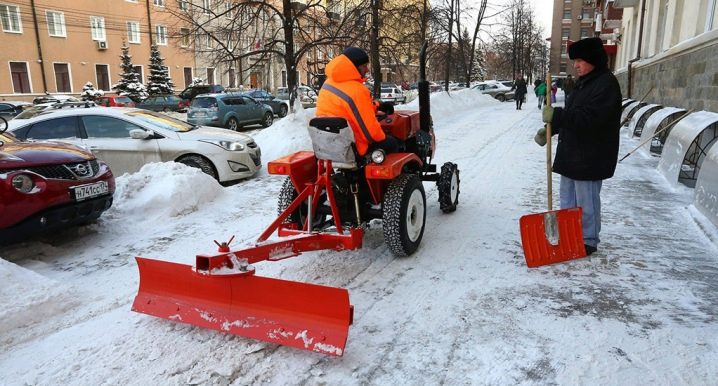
<point>200,114</point>
<point>84,192</point>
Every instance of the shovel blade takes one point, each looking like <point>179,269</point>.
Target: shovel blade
<point>552,237</point>
<point>306,316</point>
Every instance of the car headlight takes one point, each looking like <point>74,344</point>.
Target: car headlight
<point>377,156</point>
<point>23,183</point>
<point>226,145</point>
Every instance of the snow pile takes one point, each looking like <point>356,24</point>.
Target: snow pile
<point>28,298</point>
<point>160,190</point>
<point>443,103</point>
<point>286,136</point>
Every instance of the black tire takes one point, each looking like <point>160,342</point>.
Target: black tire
<point>199,162</point>
<point>283,110</point>
<point>404,214</point>
<point>3,125</point>
<point>501,98</point>
<point>232,124</point>
<point>267,119</point>
<point>448,186</point>
<point>286,196</point>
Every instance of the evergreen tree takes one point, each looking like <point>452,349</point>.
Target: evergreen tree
<point>130,83</point>
<point>89,92</point>
<point>159,81</point>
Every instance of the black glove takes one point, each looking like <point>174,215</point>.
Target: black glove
<point>386,107</point>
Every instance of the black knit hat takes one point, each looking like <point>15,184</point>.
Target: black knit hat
<point>590,50</point>
<point>356,55</point>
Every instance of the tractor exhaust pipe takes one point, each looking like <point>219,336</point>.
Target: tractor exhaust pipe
<point>423,86</point>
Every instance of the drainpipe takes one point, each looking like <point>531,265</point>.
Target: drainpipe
<point>39,47</point>
<point>638,48</point>
<point>149,22</point>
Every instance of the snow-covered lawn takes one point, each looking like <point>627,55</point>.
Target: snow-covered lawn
<point>463,310</point>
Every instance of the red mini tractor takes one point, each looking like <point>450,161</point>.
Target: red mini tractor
<point>328,199</point>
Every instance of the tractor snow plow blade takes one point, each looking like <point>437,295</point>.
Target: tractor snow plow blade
<point>301,315</point>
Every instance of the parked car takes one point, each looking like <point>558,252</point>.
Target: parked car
<point>229,110</point>
<point>307,95</point>
<point>189,93</point>
<point>163,103</point>
<point>50,98</point>
<point>392,94</point>
<point>9,109</point>
<point>112,100</point>
<point>44,108</point>
<point>496,90</point>
<point>47,186</point>
<point>279,106</point>
<point>128,138</point>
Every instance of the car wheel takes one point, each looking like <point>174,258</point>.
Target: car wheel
<point>267,120</point>
<point>199,162</point>
<point>283,109</point>
<point>232,124</point>
<point>501,97</point>
<point>286,196</point>
<point>166,109</point>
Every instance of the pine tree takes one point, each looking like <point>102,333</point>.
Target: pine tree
<point>130,83</point>
<point>89,92</point>
<point>159,81</point>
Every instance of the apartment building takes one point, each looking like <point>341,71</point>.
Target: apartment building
<point>56,46</point>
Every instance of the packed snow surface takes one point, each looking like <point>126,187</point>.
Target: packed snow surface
<point>464,309</point>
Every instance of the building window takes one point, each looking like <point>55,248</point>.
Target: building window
<point>20,78</point>
<point>206,5</point>
<point>10,16</point>
<point>210,75</point>
<point>563,50</point>
<point>133,32</point>
<point>208,41</point>
<point>228,8</point>
<point>584,33</point>
<point>159,3</point>
<point>284,78</point>
<point>184,37</point>
<point>97,26</point>
<point>161,35</point>
<point>138,71</point>
<point>187,76</point>
<point>565,32</point>
<point>102,73</point>
<point>587,14</point>
<point>562,67</point>
<point>62,77</point>
<point>183,5</point>
<point>56,23</point>
<point>567,14</point>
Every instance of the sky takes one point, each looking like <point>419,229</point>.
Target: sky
<point>464,309</point>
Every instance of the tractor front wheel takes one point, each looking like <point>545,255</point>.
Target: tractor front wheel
<point>404,214</point>
<point>448,186</point>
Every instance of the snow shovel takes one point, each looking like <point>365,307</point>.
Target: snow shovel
<point>553,236</point>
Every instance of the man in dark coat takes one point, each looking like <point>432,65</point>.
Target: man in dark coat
<point>588,133</point>
<point>520,87</point>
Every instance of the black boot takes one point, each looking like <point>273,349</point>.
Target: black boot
<point>590,249</point>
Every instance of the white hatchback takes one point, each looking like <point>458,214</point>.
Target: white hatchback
<point>392,94</point>
<point>128,138</point>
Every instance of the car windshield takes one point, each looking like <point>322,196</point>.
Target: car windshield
<point>387,90</point>
<point>123,99</point>
<point>204,102</point>
<point>161,120</point>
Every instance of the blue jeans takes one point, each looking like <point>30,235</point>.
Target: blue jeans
<point>587,195</point>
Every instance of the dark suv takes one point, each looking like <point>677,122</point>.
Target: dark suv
<point>192,91</point>
<point>48,186</point>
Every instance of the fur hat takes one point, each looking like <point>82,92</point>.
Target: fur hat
<point>590,50</point>
<point>356,55</point>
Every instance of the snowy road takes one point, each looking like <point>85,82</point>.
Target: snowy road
<point>463,310</point>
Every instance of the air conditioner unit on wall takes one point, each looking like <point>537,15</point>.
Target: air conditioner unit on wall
<point>102,45</point>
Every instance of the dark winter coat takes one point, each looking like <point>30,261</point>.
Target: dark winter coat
<point>588,128</point>
<point>520,87</point>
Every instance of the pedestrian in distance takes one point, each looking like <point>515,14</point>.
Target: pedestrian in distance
<point>568,85</point>
<point>554,89</point>
<point>540,92</point>
<point>588,135</point>
<point>344,95</point>
<point>521,90</point>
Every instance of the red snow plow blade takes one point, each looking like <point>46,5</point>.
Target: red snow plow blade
<point>302,315</point>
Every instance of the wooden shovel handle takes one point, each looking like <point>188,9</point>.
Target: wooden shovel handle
<point>548,145</point>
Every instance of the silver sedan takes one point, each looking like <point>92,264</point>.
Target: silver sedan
<point>128,138</point>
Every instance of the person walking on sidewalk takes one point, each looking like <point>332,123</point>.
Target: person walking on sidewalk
<point>520,94</point>
<point>540,92</point>
<point>588,135</point>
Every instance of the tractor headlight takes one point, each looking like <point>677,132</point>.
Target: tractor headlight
<point>23,183</point>
<point>377,156</point>
<point>226,145</point>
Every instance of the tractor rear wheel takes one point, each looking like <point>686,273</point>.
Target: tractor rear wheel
<point>404,214</point>
<point>286,196</point>
<point>448,186</point>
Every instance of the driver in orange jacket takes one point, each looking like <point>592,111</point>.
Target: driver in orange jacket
<point>344,95</point>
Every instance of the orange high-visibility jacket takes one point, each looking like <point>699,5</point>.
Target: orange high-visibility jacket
<point>344,95</point>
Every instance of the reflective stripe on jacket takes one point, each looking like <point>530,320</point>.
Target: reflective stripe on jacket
<point>344,95</point>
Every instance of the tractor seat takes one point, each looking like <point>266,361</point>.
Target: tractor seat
<point>333,140</point>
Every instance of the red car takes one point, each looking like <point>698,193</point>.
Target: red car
<point>46,186</point>
<point>110,100</point>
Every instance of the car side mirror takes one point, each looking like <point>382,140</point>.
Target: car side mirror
<point>140,134</point>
